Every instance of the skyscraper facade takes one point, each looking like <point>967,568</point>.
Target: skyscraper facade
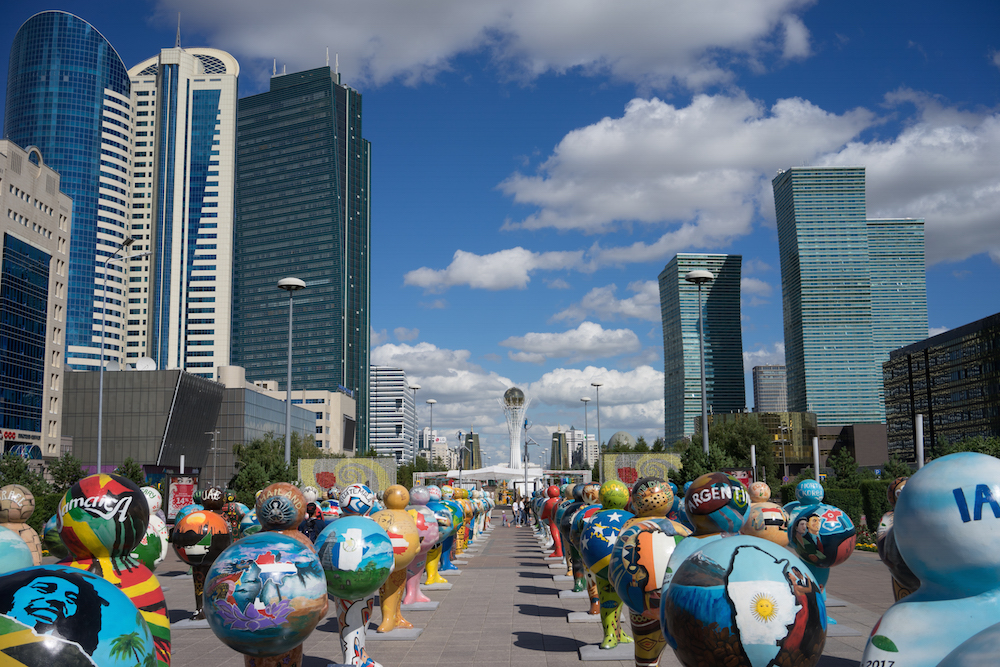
<point>844,308</point>
<point>34,258</point>
<point>769,389</point>
<point>724,383</point>
<point>68,94</point>
<point>179,304</point>
<point>302,210</point>
<point>393,414</point>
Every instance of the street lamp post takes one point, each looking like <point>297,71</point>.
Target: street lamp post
<point>784,441</point>
<point>586,436</point>
<point>104,319</point>
<point>215,456</point>
<point>290,285</point>
<point>699,278</point>
<point>597,386</point>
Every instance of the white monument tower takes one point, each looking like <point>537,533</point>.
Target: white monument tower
<point>514,405</point>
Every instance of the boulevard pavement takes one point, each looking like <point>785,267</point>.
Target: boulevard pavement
<point>504,609</point>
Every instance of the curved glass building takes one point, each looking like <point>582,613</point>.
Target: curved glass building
<point>68,93</point>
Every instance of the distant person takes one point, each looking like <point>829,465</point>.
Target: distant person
<point>503,518</point>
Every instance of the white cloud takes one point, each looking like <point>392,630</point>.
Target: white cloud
<point>436,304</point>
<point>527,357</point>
<point>755,286</point>
<point>764,357</point>
<point>404,334</point>
<point>755,266</point>
<point>694,169</point>
<point>796,38</point>
<point>995,58</point>
<point>505,269</point>
<point>377,337</point>
<point>655,44</point>
<point>934,331</point>
<point>602,302</point>
<point>630,400</point>
<point>942,167</point>
<point>588,341</point>
<point>557,283</point>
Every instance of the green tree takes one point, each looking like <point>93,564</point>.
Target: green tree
<point>695,463</point>
<point>641,445</point>
<point>894,468</point>
<point>658,445</point>
<point>734,440</point>
<point>847,475</point>
<point>131,470</point>
<point>66,472</point>
<point>15,470</point>
<point>404,473</point>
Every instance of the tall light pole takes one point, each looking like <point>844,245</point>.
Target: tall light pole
<point>597,385</point>
<point>104,319</point>
<point>215,456</point>
<point>586,436</point>
<point>416,440</point>
<point>290,285</point>
<point>699,278</point>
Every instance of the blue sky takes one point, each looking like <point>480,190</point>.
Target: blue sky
<point>536,163</point>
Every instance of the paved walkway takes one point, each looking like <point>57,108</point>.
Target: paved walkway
<point>504,609</point>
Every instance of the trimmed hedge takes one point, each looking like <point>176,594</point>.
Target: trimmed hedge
<point>787,493</point>
<point>848,500</point>
<point>875,500</point>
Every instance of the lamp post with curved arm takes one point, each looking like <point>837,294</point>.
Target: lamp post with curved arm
<point>290,285</point>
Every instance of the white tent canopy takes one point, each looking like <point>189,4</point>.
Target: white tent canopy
<point>498,472</point>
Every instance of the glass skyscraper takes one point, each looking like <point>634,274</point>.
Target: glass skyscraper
<point>723,341</point>
<point>68,94</point>
<point>179,304</point>
<point>302,210</point>
<point>853,289</point>
<point>769,389</point>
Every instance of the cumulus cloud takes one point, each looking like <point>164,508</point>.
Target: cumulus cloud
<point>942,167</point>
<point>655,44</point>
<point>504,269</point>
<point>755,286</point>
<point>694,169</point>
<point>632,400</point>
<point>764,356</point>
<point>404,334</point>
<point>588,341</point>
<point>602,302</point>
<point>934,331</point>
<point>377,337</point>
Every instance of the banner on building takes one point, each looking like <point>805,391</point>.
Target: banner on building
<point>180,492</point>
<point>378,473</point>
<point>629,467</point>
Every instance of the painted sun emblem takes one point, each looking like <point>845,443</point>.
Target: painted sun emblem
<point>763,607</point>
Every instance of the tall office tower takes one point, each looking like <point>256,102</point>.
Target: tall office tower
<point>182,209</point>
<point>769,389</point>
<point>559,454</point>
<point>393,414</point>
<point>843,308</point>
<point>724,381</point>
<point>68,95</point>
<point>302,210</point>
<point>35,235</point>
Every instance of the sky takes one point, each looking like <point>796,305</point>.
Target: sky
<point>536,163</point>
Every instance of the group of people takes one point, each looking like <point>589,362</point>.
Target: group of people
<point>519,512</point>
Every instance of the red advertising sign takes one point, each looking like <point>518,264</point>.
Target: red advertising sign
<point>180,492</point>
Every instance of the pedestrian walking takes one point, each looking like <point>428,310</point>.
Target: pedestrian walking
<point>503,518</point>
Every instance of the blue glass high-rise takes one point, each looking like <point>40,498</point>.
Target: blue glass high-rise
<point>302,210</point>
<point>724,381</point>
<point>853,289</point>
<point>68,94</point>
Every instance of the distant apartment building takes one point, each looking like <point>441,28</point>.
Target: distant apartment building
<point>769,389</point>
<point>35,220</point>
<point>723,340</point>
<point>583,447</point>
<point>392,413</point>
<point>180,293</point>
<point>559,452</point>
<point>336,426</point>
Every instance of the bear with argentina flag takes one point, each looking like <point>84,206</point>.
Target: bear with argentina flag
<point>744,601</point>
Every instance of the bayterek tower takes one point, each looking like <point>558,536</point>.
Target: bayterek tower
<point>515,405</point>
